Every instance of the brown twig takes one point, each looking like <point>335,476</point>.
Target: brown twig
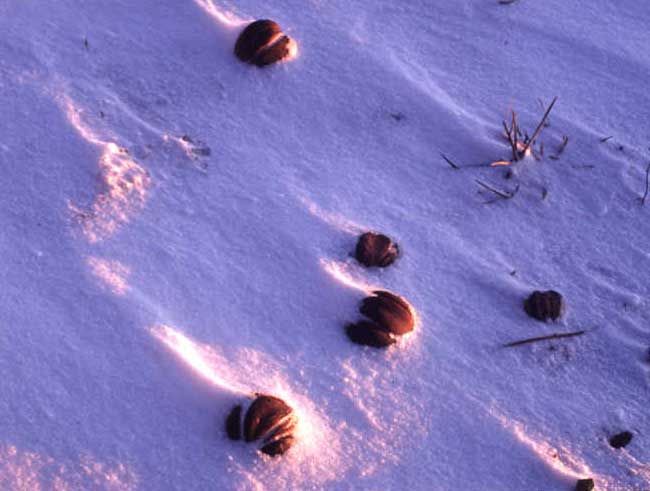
<point>530,142</point>
<point>544,338</point>
<point>565,142</point>
<point>606,139</point>
<point>500,194</point>
<point>449,161</point>
<point>515,131</point>
<point>511,141</point>
<point>647,185</point>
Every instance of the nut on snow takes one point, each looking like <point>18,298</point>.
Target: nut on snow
<point>391,312</point>
<point>621,440</point>
<point>376,250</point>
<point>268,418</point>
<point>368,333</point>
<point>585,485</point>
<point>390,316</point>
<point>262,43</point>
<point>544,305</point>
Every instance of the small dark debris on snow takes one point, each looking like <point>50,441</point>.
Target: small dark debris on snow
<point>621,440</point>
<point>262,43</point>
<point>585,485</point>
<point>376,250</point>
<point>397,116</point>
<point>268,418</point>
<point>543,306</point>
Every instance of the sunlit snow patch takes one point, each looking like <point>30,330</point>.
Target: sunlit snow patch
<point>344,274</point>
<point>221,15</point>
<point>315,458</point>
<point>203,360</point>
<point>334,220</point>
<point>559,458</point>
<point>126,183</point>
<point>113,274</point>
<point>22,470</point>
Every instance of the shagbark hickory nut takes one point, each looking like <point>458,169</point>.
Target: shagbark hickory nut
<point>585,485</point>
<point>262,43</point>
<point>268,418</point>
<point>543,306</point>
<point>621,440</point>
<point>368,333</point>
<point>391,312</point>
<point>376,250</point>
<point>233,423</point>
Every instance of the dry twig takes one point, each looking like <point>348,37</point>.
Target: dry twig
<point>500,194</point>
<point>530,142</point>
<point>560,150</point>
<point>544,338</point>
<point>449,161</point>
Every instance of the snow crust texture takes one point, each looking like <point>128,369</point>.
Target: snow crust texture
<point>179,230</point>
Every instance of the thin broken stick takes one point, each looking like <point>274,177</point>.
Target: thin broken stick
<point>530,142</point>
<point>501,194</point>
<point>544,338</point>
<point>511,134</point>
<point>449,161</point>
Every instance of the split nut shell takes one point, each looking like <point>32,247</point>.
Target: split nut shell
<point>389,316</point>
<point>585,485</point>
<point>621,440</point>
<point>543,306</point>
<point>376,250</point>
<point>391,312</point>
<point>268,418</point>
<point>262,43</point>
<point>368,333</point>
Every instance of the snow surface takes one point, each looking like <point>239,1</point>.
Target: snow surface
<point>151,280</point>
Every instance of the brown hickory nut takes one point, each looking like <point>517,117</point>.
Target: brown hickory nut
<point>391,312</point>
<point>268,418</point>
<point>390,316</point>
<point>262,43</point>
<point>544,305</point>
<point>585,485</point>
<point>376,250</point>
<point>621,440</point>
<point>368,333</point>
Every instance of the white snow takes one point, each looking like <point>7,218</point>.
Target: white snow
<point>178,228</point>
